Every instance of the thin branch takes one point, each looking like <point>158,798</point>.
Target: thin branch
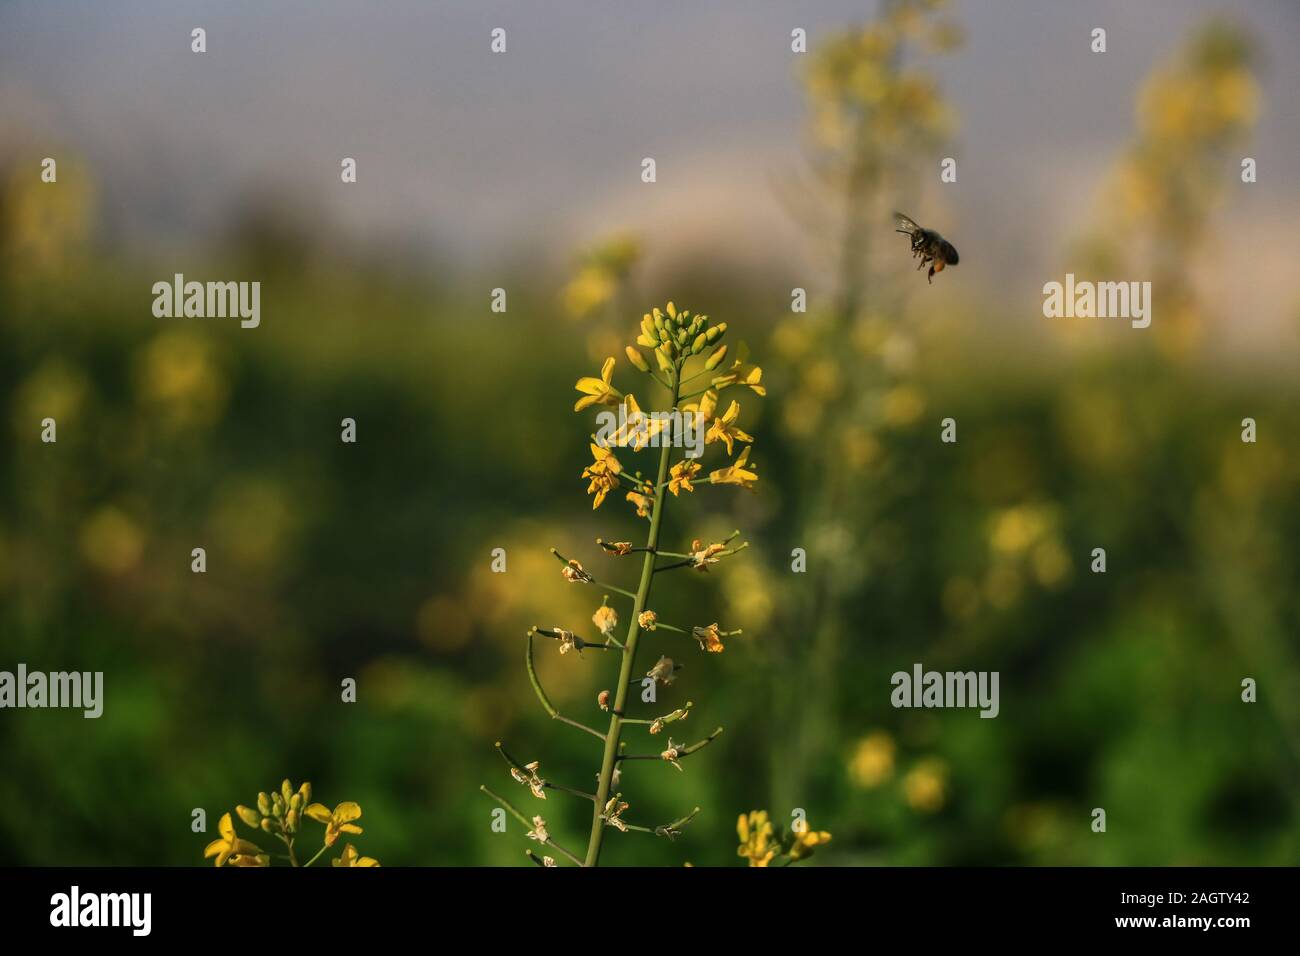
<point>528,823</point>
<point>682,752</point>
<point>546,701</point>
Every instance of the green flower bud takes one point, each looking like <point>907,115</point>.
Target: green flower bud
<point>249,815</point>
<point>663,335</point>
<point>716,358</point>
<point>636,358</point>
<point>277,806</point>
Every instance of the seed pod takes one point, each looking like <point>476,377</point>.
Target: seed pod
<point>249,815</point>
<point>636,358</point>
<point>264,803</point>
<point>716,358</point>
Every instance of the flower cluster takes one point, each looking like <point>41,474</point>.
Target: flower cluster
<point>280,814</point>
<point>760,844</point>
<point>682,355</point>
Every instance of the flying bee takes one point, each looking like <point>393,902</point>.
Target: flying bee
<point>927,245</point>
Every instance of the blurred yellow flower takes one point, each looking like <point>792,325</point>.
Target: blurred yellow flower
<point>755,832</point>
<point>872,762</point>
<point>925,786</point>
<point>111,541</point>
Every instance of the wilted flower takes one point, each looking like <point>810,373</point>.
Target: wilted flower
<point>709,637</point>
<point>529,777</point>
<point>671,753</point>
<point>681,475</point>
<point>602,699</point>
<point>664,671</point>
<point>613,813</point>
<point>605,619</point>
<point>702,556</point>
<point>539,831</point>
<point>568,641</point>
<point>573,573</point>
<point>646,620</point>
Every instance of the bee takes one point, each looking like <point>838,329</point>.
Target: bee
<point>928,245</point>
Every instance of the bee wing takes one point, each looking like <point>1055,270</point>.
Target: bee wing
<point>905,224</point>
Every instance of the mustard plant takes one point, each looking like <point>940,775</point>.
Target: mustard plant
<point>281,814</point>
<point>688,359</point>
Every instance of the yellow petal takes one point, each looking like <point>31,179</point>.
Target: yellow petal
<point>318,812</point>
<point>226,827</point>
<point>345,812</point>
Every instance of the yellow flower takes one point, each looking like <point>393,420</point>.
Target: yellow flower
<point>638,427</point>
<point>724,429</point>
<point>606,619</point>
<point>925,786</point>
<point>755,832</point>
<point>647,620</point>
<point>805,841</point>
<point>338,821</point>
<point>704,408</point>
<point>737,473</point>
<point>229,847</point>
<point>598,391</point>
<point>682,473</point>
<point>603,473</point>
<point>643,503</point>
<point>351,858</point>
<point>741,373</point>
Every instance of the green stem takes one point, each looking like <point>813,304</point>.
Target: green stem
<point>610,759</point>
<point>317,856</point>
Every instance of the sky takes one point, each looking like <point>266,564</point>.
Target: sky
<point>474,156</point>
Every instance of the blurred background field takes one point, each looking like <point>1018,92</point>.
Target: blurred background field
<point>372,560</point>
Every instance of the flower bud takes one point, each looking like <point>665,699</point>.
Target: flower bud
<point>665,363</point>
<point>249,815</point>
<point>268,824</point>
<point>264,803</point>
<point>305,790</point>
<point>672,310</point>
<point>716,358</point>
<point>286,789</point>
<point>649,341</point>
<point>292,819</point>
<point>636,358</point>
<point>663,335</point>
<point>698,345</point>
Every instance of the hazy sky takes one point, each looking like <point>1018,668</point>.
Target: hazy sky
<point>479,155</point>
